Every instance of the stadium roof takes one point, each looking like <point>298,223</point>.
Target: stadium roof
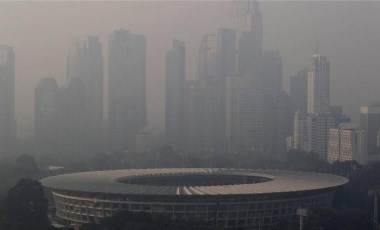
<point>109,182</point>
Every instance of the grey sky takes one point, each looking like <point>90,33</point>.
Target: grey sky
<point>41,32</point>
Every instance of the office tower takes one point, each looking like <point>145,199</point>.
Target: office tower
<point>319,85</point>
<point>126,92</point>
<point>174,94</point>
<point>319,126</point>
<point>256,26</point>
<point>269,70</point>
<point>143,142</point>
<point>339,117</point>
<point>300,137</point>
<point>370,122</point>
<point>73,119</point>
<point>249,34</point>
<point>225,65</point>
<point>238,16</point>
<point>283,125</point>
<point>298,91</point>
<point>244,115</point>
<point>207,56</point>
<point>46,123</point>
<point>7,99</point>
<point>200,111</point>
<point>246,16</point>
<point>85,61</point>
<point>347,143</point>
<point>226,53</point>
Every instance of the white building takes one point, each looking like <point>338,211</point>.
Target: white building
<point>319,85</point>
<point>347,143</point>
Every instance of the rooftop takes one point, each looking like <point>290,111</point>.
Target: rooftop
<point>193,181</point>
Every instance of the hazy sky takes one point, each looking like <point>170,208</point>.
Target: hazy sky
<point>41,33</point>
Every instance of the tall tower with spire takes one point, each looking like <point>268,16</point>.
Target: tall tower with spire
<point>255,24</point>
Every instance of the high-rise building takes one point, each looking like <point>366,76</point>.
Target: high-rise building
<point>73,119</point>
<point>319,85</point>
<point>319,126</point>
<point>244,115</point>
<point>347,143</point>
<point>283,125</point>
<point>85,61</point>
<point>256,25</point>
<point>339,117</point>
<point>300,139</point>
<point>7,99</point>
<point>46,117</point>
<point>225,66</point>
<point>207,57</point>
<point>246,16</point>
<point>370,122</point>
<point>298,91</point>
<point>269,70</point>
<point>199,116</point>
<point>126,92</point>
<point>174,94</point>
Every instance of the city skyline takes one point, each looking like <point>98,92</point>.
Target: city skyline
<point>54,65</point>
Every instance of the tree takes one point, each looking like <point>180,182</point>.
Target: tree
<point>25,207</point>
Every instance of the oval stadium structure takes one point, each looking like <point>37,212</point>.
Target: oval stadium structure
<point>227,198</point>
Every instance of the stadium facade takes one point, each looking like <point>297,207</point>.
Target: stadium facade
<point>227,198</point>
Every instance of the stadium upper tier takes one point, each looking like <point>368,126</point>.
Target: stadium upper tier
<point>192,181</point>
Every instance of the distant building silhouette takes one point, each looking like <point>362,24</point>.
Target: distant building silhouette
<point>85,61</point>
<point>298,91</point>
<point>207,56</point>
<point>370,122</point>
<point>126,88</point>
<point>269,70</point>
<point>74,133</point>
<point>244,115</point>
<point>7,100</point>
<point>199,116</point>
<point>283,125</point>
<point>46,116</point>
<point>225,66</point>
<point>174,95</point>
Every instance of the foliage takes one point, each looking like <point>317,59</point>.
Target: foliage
<point>25,207</point>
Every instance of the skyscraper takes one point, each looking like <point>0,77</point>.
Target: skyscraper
<point>298,91</point>
<point>174,94</point>
<point>319,126</point>
<point>85,61</point>
<point>244,115</point>
<point>126,92</point>
<point>256,25</point>
<point>370,122</point>
<point>225,64</point>
<point>283,125</point>
<point>7,99</point>
<point>199,116</point>
<point>74,136</point>
<point>319,85</point>
<point>207,56</point>
<point>245,16</point>
<point>46,117</point>
<point>269,74</point>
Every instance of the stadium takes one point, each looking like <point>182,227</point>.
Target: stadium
<point>227,198</point>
